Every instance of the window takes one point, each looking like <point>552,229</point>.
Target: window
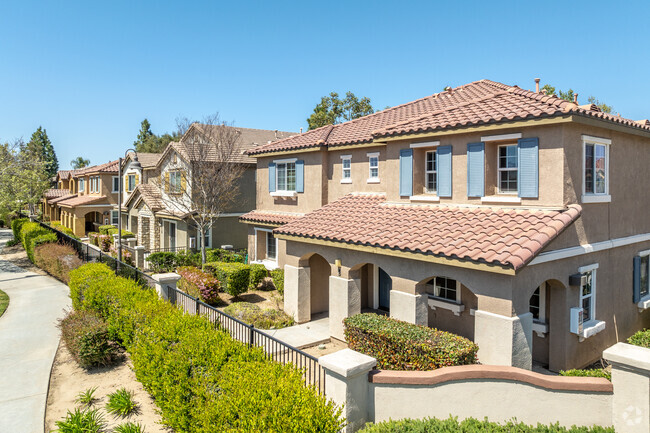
<point>445,288</point>
<point>206,238</point>
<point>346,169</point>
<point>373,170</point>
<point>588,295</point>
<point>270,246</point>
<point>431,172</point>
<point>596,169</point>
<point>114,217</point>
<point>81,185</point>
<point>537,304</point>
<point>174,181</point>
<point>507,169</point>
<point>286,176</point>
<point>644,274</point>
<point>94,184</point>
<point>131,180</point>
<point>116,184</point>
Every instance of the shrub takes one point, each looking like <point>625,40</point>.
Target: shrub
<point>227,256</point>
<point>121,402</point>
<point>33,234</point>
<point>162,261</point>
<point>257,274</point>
<point>12,242</point>
<point>16,226</point>
<point>400,345</point>
<point>87,397</point>
<point>187,258</point>
<point>56,225</point>
<point>252,314</point>
<point>234,277</point>
<point>199,284</point>
<point>82,420</point>
<point>104,243</point>
<point>591,372</point>
<point>127,257</point>
<point>104,229</point>
<point>86,336</point>
<point>201,379</point>
<point>278,279</point>
<point>129,427</point>
<point>641,338</point>
<point>472,425</point>
<point>57,260</point>
<point>93,238</point>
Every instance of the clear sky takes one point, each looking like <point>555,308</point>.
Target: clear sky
<point>90,71</point>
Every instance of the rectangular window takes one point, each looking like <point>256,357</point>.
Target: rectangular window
<point>81,185</point>
<point>114,217</point>
<point>206,238</point>
<point>174,181</point>
<point>645,276</point>
<point>445,288</point>
<point>431,172</point>
<point>116,184</point>
<point>588,296</point>
<point>270,246</point>
<point>507,169</point>
<point>595,168</point>
<point>286,176</point>
<point>373,162</point>
<point>346,169</point>
<point>131,182</point>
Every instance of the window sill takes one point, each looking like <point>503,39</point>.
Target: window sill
<point>644,303</point>
<point>425,198</point>
<point>373,180</point>
<point>591,328</point>
<point>540,328</point>
<point>283,194</point>
<point>435,302</point>
<point>346,180</point>
<point>268,264</point>
<point>501,199</point>
<point>596,198</point>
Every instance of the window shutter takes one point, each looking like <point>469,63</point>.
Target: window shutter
<point>406,172</point>
<point>636,285</point>
<point>300,176</point>
<point>528,167</point>
<point>444,171</point>
<point>475,169</point>
<point>137,179</point>
<point>166,181</point>
<point>126,183</point>
<point>271,176</point>
<point>183,180</point>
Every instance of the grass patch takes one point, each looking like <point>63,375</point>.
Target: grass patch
<point>252,314</point>
<point>129,427</point>
<point>589,372</point>
<point>4,302</point>
<point>82,420</point>
<point>87,397</point>
<point>121,403</point>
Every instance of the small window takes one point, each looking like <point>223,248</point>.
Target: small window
<point>373,167</point>
<point>595,168</point>
<point>174,181</point>
<point>270,246</point>
<point>431,172</point>
<point>588,296</point>
<point>445,288</point>
<point>131,180</point>
<point>346,168</point>
<point>286,176</point>
<point>645,276</point>
<point>206,238</point>
<point>537,304</point>
<point>114,217</point>
<point>81,185</point>
<point>116,184</point>
<point>507,169</point>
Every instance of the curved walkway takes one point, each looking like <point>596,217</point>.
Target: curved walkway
<point>28,342</point>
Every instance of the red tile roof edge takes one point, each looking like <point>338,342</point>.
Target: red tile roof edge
<point>269,217</point>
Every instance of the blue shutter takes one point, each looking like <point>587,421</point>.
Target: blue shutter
<point>406,172</point>
<point>475,169</point>
<point>636,285</point>
<point>272,177</point>
<point>300,176</point>
<point>444,171</point>
<point>528,167</point>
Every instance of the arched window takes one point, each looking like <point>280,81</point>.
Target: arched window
<point>444,288</point>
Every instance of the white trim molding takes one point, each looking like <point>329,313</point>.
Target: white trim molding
<point>373,180</point>
<point>591,328</point>
<point>501,199</point>
<point>283,194</point>
<point>589,198</point>
<point>515,136</point>
<point>348,180</point>
<point>435,302</point>
<point>596,140</point>
<point>588,268</point>
<point>644,303</point>
<point>540,328</point>
<point>424,144</point>
<point>369,154</point>
<point>426,198</point>
<point>285,161</point>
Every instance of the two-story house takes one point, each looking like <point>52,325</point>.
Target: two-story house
<point>153,202</point>
<point>511,217</point>
<point>61,191</point>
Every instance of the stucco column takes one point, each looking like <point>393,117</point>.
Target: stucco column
<point>409,308</point>
<point>78,225</point>
<point>345,301</point>
<point>504,340</point>
<point>163,281</point>
<point>139,256</point>
<point>346,383</point>
<point>297,293</point>
<point>631,380</point>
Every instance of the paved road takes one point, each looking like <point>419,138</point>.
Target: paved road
<point>28,341</point>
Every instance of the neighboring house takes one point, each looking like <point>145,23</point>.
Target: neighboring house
<point>513,218</point>
<point>149,207</point>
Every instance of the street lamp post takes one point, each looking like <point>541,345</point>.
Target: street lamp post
<point>136,164</point>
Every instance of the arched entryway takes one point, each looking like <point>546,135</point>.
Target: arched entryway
<point>539,305</point>
<point>92,221</point>
<point>319,273</point>
<point>384,286</point>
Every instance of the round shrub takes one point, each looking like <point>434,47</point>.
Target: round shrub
<point>257,273</point>
<point>278,279</point>
<point>16,226</point>
<point>641,338</point>
<point>86,336</point>
<point>234,277</point>
<point>199,284</point>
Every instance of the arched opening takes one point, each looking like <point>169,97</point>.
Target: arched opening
<point>384,286</point>
<point>319,273</point>
<point>539,305</point>
<point>92,221</point>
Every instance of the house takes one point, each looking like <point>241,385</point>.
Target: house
<point>151,205</point>
<point>511,217</point>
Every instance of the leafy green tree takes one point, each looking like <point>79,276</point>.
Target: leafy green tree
<point>569,95</point>
<point>603,107</point>
<point>550,90</point>
<point>79,162</point>
<point>40,146</point>
<point>332,110</point>
<point>23,177</point>
<point>149,142</point>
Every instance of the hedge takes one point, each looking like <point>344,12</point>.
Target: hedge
<point>201,379</point>
<point>472,425</point>
<point>278,279</point>
<point>32,235</point>
<point>220,255</point>
<point>267,318</point>
<point>104,229</point>
<point>595,372</point>
<point>86,336</point>
<point>199,284</point>
<point>56,225</point>
<point>16,225</point>
<point>400,345</point>
<point>163,261</point>
<point>234,277</point>
<point>57,260</point>
<point>641,338</point>
<point>257,273</point>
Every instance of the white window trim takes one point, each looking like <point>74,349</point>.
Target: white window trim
<point>506,198</point>
<point>81,184</point>
<point>595,197</point>
<point>644,302</point>
<point>431,198</point>
<point>284,161</point>
<point>284,192</point>
<point>427,172</point>
<point>499,170</point>
<point>500,137</point>
<point>113,178</point>
<point>116,214</point>
<point>593,326</point>
<point>424,144</point>
<point>264,261</point>
<point>343,169</point>
<point>372,179</point>
<point>435,301</point>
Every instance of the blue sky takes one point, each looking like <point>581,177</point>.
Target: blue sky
<point>90,71</point>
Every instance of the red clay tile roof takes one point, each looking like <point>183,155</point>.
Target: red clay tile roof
<point>506,237</point>
<point>477,103</point>
<point>65,174</point>
<point>56,193</point>
<point>60,199</point>
<point>82,199</point>
<point>269,217</point>
<point>108,167</point>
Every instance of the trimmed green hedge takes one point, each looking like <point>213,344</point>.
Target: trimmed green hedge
<point>234,277</point>
<point>199,284</point>
<point>104,229</point>
<point>56,225</point>
<point>219,255</point>
<point>641,338</point>
<point>595,372</point>
<point>267,318</point>
<point>278,279</point>
<point>201,379</point>
<point>257,274</point>
<point>400,345</point>
<point>33,235</point>
<point>472,425</point>
<point>16,225</point>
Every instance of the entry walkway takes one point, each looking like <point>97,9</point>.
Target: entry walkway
<point>28,342</point>
<point>305,335</point>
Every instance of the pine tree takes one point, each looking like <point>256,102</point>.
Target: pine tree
<point>41,146</point>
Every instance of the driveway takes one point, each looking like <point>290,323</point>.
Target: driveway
<point>28,342</point>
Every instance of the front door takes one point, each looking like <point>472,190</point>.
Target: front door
<point>172,236</point>
<point>385,286</point>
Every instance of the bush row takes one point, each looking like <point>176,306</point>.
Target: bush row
<point>278,279</point>
<point>56,225</point>
<point>16,225</point>
<point>400,345</point>
<point>166,261</point>
<point>57,260</point>
<point>199,284</point>
<point>471,425</point>
<point>32,235</point>
<point>201,379</point>
<point>234,277</point>
<point>228,256</point>
<point>641,338</point>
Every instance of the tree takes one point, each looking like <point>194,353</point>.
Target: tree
<point>332,110</point>
<point>569,96</point>
<point>208,183</point>
<point>603,107</point>
<point>149,142</point>
<point>79,162</point>
<point>41,146</point>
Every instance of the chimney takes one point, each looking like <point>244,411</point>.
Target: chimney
<point>276,134</point>
<point>537,85</point>
<point>575,97</point>
<point>301,129</point>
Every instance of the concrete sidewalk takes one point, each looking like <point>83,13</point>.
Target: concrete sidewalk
<point>304,335</point>
<point>28,342</point>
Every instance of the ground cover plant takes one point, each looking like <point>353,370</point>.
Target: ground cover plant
<point>82,421</point>
<point>267,318</point>
<point>227,256</point>
<point>199,284</point>
<point>400,345</point>
<point>471,425</point>
<point>641,338</point>
<point>201,379</point>
<point>588,372</point>
<point>86,336</point>
<point>129,427</point>
<point>87,397</point>
<point>57,260</point>
<point>121,403</point>
<point>234,276</point>
<point>4,302</point>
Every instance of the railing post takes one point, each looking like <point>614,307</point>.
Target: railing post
<point>163,281</point>
<point>196,303</point>
<point>251,335</point>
